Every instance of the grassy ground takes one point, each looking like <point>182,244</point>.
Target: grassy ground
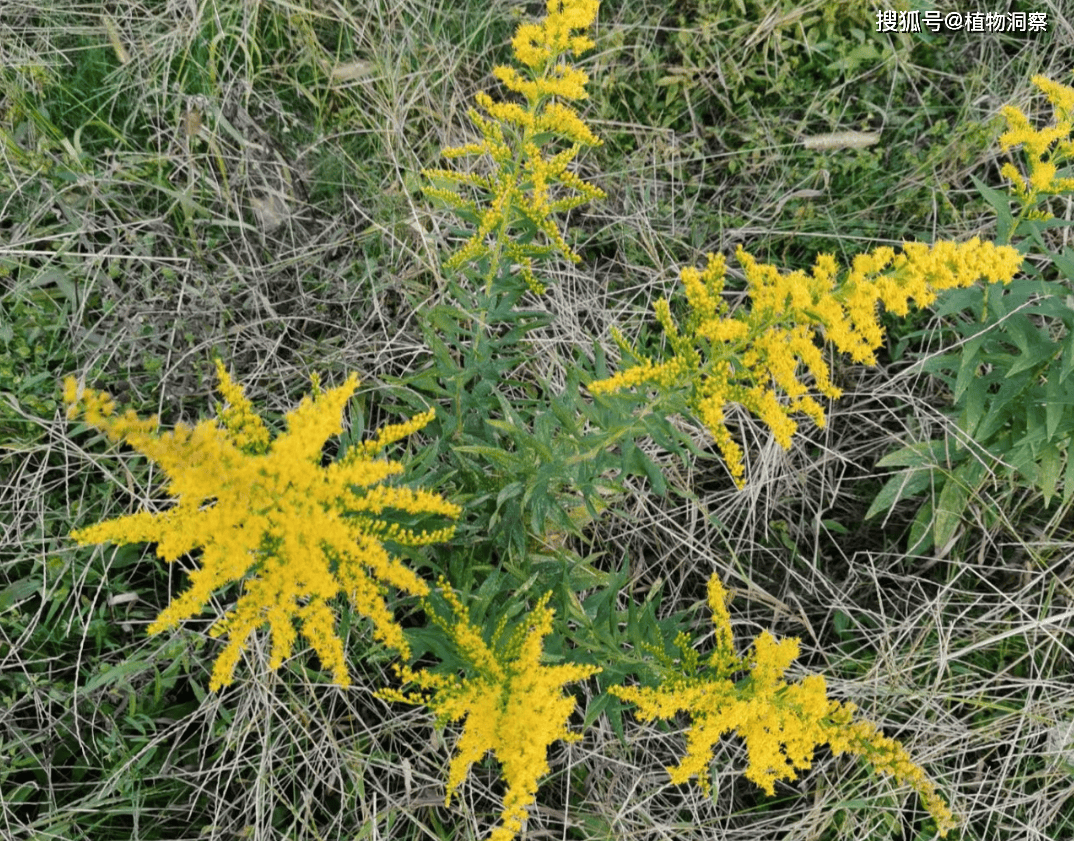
<point>186,179</point>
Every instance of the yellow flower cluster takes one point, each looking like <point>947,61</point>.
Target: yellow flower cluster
<point>781,723</point>
<point>517,194</point>
<point>513,706</point>
<point>306,533</point>
<point>750,357</point>
<point>1056,143</point>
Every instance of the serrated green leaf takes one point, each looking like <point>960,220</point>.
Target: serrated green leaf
<point>1001,409</point>
<point>1035,349</point>
<point>1064,261</point>
<point>1022,458</point>
<point>958,300</point>
<point>506,461</point>
<point>654,474</point>
<point>509,491</point>
<point>1035,427</point>
<point>630,459</point>
<point>973,406</point>
<point>595,707</point>
<point>566,416</point>
<point>1055,404</point>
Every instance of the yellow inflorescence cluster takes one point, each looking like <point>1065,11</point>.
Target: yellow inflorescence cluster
<point>513,706</point>
<point>267,507</point>
<point>752,357</point>
<point>781,723</point>
<point>1046,148</point>
<point>518,192</point>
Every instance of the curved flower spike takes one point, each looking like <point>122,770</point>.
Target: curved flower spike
<point>782,723</point>
<point>754,356</point>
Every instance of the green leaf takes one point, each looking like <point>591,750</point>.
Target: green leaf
<point>920,530</point>
<point>595,707</point>
<point>841,625</point>
<point>509,491</point>
<point>1035,227</point>
<point>973,406</point>
<point>1055,403</point>
<point>1035,350</point>
<point>653,473</point>
<point>1068,356</point>
<point>1001,204</point>
<point>1068,478</point>
<point>633,629</point>
<point>507,461</point>
<point>111,675</point>
<point>835,526</point>
<point>1035,426</point>
<point>17,592</point>
<point>1048,475</point>
<point>900,486</point>
<point>921,454</point>
<point>957,300</point>
<point>1001,410</point>
<point>949,507</point>
<point>1064,261</point>
<point>967,369</point>
<point>1023,459</point>
<point>564,414</point>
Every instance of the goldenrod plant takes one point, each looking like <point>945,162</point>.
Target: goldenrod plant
<point>515,201</point>
<point>265,513</point>
<point>750,357</point>
<point>516,461</point>
<point>1047,149</point>
<point>782,723</point>
<point>513,705</point>
<point>1009,379</point>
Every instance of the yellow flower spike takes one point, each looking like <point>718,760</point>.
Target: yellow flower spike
<point>1060,96</point>
<point>1046,149</point>
<point>513,706</point>
<point>266,513</point>
<point>526,185</point>
<point>388,435</point>
<point>778,335</point>
<point>246,428</point>
<point>718,600</point>
<point>781,723</point>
